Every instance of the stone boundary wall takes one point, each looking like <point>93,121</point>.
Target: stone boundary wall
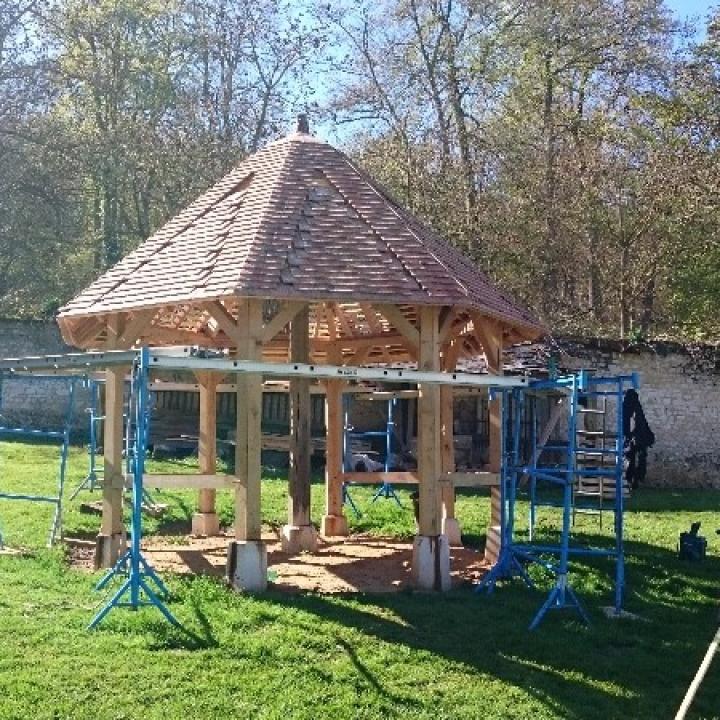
<point>31,402</point>
<point>680,393</point>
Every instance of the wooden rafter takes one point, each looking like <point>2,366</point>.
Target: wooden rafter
<point>135,326</point>
<point>225,321</point>
<point>342,319</point>
<point>398,320</point>
<point>284,315</point>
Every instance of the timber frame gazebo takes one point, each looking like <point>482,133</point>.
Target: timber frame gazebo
<point>298,255</point>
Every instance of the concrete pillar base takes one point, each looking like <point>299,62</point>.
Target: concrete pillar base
<point>492,544</point>
<point>299,538</point>
<point>451,530</point>
<point>334,526</point>
<point>431,563</point>
<point>247,565</point>
<point>205,524</point>
<point>108,548</point>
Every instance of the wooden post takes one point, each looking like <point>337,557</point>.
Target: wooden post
<point>490,335</point>
<point>299,534</point>
<point>205,522</point>
<point>431,555</point>
<point>247,556</point>
<point>111,540</point>
<point>334,522</point>
<point>450,525</point>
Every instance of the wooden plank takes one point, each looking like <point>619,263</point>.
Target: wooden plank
<point>429,446</point>
<point>248,520</point>
<point>300,410</point>
<point>395,317</point>
<point>471,479</point>
<point>285,314</point>
<point>377,478</point>
<point>201,481</point>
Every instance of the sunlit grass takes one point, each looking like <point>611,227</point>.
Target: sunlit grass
<point>366,656</point>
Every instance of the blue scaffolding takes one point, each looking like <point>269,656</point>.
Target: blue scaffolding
<point>575,461</point>
<point>141,585</point>
<point>61,435</point>
<point>386,490</point>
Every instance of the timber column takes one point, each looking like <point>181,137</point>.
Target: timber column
<point>450,525</point>
<point>490,335</point>
<point>334,522</point>
<point>205,521</point>
<point>431,552</point>
<point>247,554</point>
<point>299,535</point>
<point>111,540</point>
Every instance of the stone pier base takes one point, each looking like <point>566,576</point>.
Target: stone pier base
<point>247,565</point>
<point>299,538</point>
<point>205,524</point>
<point>431,563</point>
<point>108,548</point>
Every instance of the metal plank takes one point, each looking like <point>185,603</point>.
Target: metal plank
<point>171,360</point>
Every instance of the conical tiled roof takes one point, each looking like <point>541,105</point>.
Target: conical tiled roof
<point>297,220</point>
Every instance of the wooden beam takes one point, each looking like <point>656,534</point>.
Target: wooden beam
<point>248,519</point>
<point>171,336</point>
<point>202,481</point>
<point>395,317</point>
<point>429,447</point>
<point>134,328</point>
<point>207,440</point>
<point>489,334</point>
<point>334,422</point>
<point>288,310</point>
<point>300,440</point>
<point>447,320</point>
<point>471,479</point>
<point>377,478</point>
<point>340,315</point>
<point>225,321</point>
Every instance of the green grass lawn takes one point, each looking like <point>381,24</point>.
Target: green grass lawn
<point>458,655</point>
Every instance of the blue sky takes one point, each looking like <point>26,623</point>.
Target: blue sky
<point>684,8</point>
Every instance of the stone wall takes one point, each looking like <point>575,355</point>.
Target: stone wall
<point>32,402</point>
<point>680,393</point>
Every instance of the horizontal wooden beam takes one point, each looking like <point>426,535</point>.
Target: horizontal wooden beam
<point>377,478</point>
<point>458,479</point>
<point>472,479</point>
<point>186,482</point>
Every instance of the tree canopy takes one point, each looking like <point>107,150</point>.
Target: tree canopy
<point>570,147</point>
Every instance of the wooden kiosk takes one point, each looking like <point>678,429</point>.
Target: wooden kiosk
<point>298,255</point>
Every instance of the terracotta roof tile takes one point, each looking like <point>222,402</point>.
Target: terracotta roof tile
<point>297,219</point>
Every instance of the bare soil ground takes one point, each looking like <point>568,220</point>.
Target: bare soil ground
<point>355,564</point>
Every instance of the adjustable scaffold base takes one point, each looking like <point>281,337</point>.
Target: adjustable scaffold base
<point>90,483</point>
<point>137,587</point>
<point>561,597</point>
<point>387,491</point>
<point>508,566</point>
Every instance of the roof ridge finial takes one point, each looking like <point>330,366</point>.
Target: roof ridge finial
<point>303,125</point>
